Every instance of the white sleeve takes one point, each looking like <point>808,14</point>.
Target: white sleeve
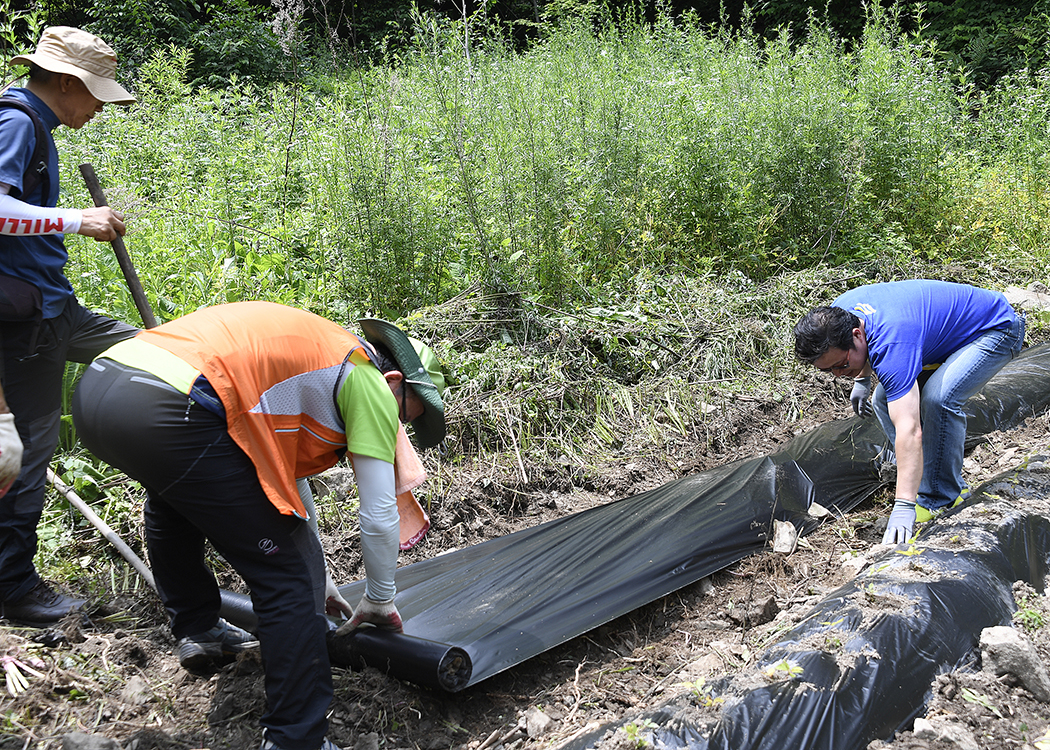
<point>380,524</point>
<point>21,218</point>
<point>306,495</point>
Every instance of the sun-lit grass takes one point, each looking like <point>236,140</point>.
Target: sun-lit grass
<point>607,237</point>
<point>560,171</point>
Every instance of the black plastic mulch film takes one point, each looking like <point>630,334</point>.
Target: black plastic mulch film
<point>474,612</point>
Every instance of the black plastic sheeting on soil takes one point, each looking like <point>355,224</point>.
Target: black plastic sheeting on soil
<point>861,663</point>
<point>506,600</point>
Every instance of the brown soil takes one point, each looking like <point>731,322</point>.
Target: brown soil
<point>118,678</point>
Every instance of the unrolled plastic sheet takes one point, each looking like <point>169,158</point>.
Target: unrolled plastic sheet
<point>511,598</point>
<point>506,600</point>
<point>860,664</point>
<point>1018,391</point>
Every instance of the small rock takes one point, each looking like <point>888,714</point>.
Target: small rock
<point>136,692</point>
<point>368,741</point>
<point>853,562</point>
<point>785,536</point>
<point>953,733</point>
<point>1008,457</point>
<point>818,511</point>
<point>81,741</point>
<point>222,710</point>
<point>923,730</point>
<point>1006,651</point>
<point>706,665</point>
<point>1027,299</point>
<point>537,723</point>
<point>762,612</point>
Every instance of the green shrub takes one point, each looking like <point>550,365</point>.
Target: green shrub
<point>563,171</point>
<point>229,39</point>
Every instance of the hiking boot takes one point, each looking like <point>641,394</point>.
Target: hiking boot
<point>41,607</point>
<point>271,745</point>
<point>214,648</point>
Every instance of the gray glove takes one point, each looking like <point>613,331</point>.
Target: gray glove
<point>902,521</point>
<point>859,397</point>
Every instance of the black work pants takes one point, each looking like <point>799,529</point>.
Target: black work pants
<point>34,366</point>
<point>201,486</point>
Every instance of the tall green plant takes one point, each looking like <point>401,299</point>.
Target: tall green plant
<point>20,29</point>
<point>562,171</point>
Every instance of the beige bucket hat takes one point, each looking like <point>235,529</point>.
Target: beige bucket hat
<point>63,49</point>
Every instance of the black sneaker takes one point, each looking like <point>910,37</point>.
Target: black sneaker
<point>41,607</point>
<point>214,648</point>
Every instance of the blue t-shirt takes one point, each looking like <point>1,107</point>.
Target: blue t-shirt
<point>38,259</point>
<point>914,324</point>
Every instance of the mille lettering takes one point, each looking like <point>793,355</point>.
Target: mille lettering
<point>30,226</point>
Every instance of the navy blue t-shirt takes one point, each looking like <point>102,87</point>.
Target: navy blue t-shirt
<point>38,259</point>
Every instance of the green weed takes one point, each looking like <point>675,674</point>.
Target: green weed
<point>702,692</point>
<point>1030,614</point>
<point>635,732</point>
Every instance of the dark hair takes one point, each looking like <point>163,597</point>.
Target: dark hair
<point>384,358</point>
<point>38,74</point>
<point>822,329</point>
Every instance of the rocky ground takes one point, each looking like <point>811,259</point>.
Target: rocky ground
<point>116,678</point>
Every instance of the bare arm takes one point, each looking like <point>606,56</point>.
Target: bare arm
<point>904,413</point>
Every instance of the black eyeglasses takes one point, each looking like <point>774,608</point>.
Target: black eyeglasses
<point>843,365</point>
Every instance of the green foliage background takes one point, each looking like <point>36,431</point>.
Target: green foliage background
<point>562,171</point>
<point>604,228</point>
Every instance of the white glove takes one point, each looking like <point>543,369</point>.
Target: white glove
<point>334,603</point>
<point>902,521</point>
<point>383,615</point>
<point>859,397</point>
<point>10,452</point>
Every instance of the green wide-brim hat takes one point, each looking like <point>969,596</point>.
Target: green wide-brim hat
<point>421,370</point>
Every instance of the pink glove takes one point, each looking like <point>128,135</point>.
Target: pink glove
<point>10,452</point>
<point>334,603</point>
<point>383,615</point>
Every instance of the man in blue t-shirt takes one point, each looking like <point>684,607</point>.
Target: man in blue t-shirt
<point>71,78</point>
<point>932,345</point>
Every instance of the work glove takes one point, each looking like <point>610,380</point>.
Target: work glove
<point>859,397</point>
<point>10,453</point>
<point>334,603</point>
<point>383,615</point>
<point>902,520</point>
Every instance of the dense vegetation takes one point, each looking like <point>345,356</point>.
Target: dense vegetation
<point>604,231</point>
<point>563,171</point>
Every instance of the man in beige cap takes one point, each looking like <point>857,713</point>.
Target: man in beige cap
<point>71,77</point>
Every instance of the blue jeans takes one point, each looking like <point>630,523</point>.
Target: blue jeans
<point>943,397</point>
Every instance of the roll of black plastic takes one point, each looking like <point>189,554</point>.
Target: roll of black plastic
<point>424,662</point>
<point>427,663</point>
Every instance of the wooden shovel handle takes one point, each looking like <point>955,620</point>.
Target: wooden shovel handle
<point>132,278</point>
